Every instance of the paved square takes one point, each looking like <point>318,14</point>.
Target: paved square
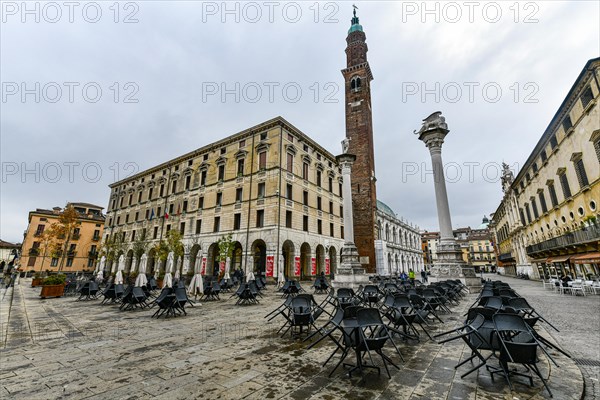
<point>63,348</point>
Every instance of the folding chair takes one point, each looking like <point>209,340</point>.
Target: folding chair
<point>518,345</point>
<point>470,334</point>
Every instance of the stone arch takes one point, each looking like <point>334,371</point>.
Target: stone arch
<point>389,264</point>
<point>288,254</point>
<point>259,254</point>
<point>320,255</point>
<point>236,257</point>
<point>379,231</point>
<point>194,251</point>
<point>394,235</point>
<point>333,262</point>
<point>387,232</point>
<point>212,260</point>
<point>397,264</point>
<point>304,260</point>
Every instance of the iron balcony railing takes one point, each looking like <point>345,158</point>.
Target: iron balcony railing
<point>505,256</point>
<point>581,236</point>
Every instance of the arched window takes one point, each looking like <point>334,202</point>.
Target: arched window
<point>355,83</point>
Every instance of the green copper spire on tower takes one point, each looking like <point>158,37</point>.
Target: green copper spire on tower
<point>355,25</point>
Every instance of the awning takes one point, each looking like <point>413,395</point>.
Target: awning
<point>560,259</point>
<point>588,258</point>
<point>539,260</point>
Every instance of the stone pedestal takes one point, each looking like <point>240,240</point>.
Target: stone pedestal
<point>350,273</point>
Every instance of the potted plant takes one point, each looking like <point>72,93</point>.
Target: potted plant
<point>53,286</point>
<point>159,281</point>
<point>38,279</point>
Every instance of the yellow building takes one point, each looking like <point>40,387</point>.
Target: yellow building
<point>481,250</point>
<point>547,223</point>
<point>81,245</point>
<point>275,190</point>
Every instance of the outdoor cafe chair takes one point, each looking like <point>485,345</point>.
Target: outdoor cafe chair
<point>371,294</point>
<point>276,312</point>
<point>346,297</point>
<point>133,299</point>
<point>166,302</point>
<point>402,315</point>
<point>300,316</point>
<point>329,300</point>
<point>423,308</point>
<point>152,284</point>
<point>517,345</point>
<point>88,291</point>
<point>110,294</point>
<point>521,305</point>
<point>254,289</point>
<point>471,334</point>
<point>364,333</point>
<point>246,295</point>
<point>435,301</point>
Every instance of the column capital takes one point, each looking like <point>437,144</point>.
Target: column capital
<point>346,160</point>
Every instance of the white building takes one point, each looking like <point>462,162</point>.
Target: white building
<point>398,245</point>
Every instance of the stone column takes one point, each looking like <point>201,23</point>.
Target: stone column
<point>350,273</point>
<point>449,264</point>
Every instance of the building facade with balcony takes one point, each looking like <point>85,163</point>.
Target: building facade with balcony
<point>547,221</point>
<point>275,190</point>
<point>79,250</point>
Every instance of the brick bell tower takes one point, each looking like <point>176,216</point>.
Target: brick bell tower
<point>359,129</point>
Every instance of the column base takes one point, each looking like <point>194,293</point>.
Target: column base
<point>350,273</point>
<point>441,272</point>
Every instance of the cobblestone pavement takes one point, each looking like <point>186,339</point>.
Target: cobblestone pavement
<point>578,320</point>
<point>60,348</point>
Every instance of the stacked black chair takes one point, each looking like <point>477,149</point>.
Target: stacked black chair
<point>470,333</point>
<point>518,345</point>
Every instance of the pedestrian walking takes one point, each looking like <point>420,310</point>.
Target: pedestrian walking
<point>411,277</point>
<point>424,275</point>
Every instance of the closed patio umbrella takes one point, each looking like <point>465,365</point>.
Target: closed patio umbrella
<point>121,267</point>
<point>281,274</point>
<point>168,280</point>
<point>141,279</point>
<point>177,273</point>
<point>101,266</point>
<point>133,265</point>
<point>157,269</point>
<point>197,285</point>
<point>250,276</point>
<point>227,267</point>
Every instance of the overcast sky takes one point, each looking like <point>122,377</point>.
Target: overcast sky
<point>161,77</point>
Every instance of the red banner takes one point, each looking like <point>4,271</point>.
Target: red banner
<point>270,264</point>
<point>313,266</point>
<point>327,266</point>
<point>222,266</point>
<point>296,266</point>
<point>203,268</point>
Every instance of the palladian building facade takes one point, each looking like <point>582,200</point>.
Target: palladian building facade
<point>275,190</point>
<point>398,245</point>
<point>548,222</point>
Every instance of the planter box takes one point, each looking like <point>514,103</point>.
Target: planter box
<point>37,282</point>
<point>52,291</point>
